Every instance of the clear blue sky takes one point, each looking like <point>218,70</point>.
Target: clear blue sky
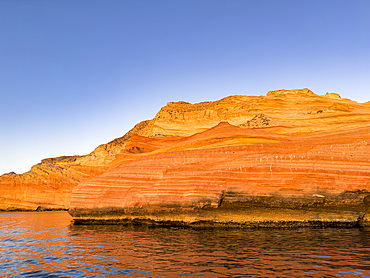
<point>79,73</point>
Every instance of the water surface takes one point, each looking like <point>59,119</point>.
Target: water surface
<point>44,244</point>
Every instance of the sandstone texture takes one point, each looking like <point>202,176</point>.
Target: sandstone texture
<point>289,157</point>
<point>48,185</point>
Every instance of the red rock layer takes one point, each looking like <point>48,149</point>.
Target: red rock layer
<point>48,185</point>
<point>44,187</point>
<point>235,167</point>
<point>273,119</point>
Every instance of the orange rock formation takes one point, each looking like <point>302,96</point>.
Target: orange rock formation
<point>48,185</point>
<point>291,154</point>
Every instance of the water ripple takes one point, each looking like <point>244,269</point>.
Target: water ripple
<point>46,245</point>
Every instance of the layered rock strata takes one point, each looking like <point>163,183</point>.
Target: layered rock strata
<point>233,176</point>
<point>48,185</point>
<point>289,156</point>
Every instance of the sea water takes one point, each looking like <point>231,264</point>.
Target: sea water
<point>45,244</point>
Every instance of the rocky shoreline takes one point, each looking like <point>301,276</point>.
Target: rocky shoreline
<point>204,224</point>
<point>215,225</point>
<point>348,210</point>
<point>33,210</point>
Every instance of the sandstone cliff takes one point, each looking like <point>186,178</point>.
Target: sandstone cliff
<point>48,184</point>
<point>289,149</point>
<point>229,174</point>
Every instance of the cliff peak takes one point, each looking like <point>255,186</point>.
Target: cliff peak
<point>9,174</point>
<point>296,92</point>
<point>333,95</point>
<point>171,103</point>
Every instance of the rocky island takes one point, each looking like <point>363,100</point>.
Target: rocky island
<point>290,158</point>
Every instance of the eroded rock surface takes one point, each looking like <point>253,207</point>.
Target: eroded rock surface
<point>288,156</point>
<point>48,185</point>
<point>229,174</point>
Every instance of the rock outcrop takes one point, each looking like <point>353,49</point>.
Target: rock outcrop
<point>48,185</point>
<point>290,156</point>
<point>229,174</point>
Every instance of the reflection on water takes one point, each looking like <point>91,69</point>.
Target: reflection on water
<point>44,244</point>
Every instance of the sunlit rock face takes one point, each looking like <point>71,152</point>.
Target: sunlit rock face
<point>283,111</point>
<point>225,171</point>
<point>48,184</point>
<point>292,154</point>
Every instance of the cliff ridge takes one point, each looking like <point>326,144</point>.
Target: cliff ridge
<point>287,143</point>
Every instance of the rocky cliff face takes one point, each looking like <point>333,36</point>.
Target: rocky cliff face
<point>48,184</point>
<point>217,161</point>
<point>227,174</point>
<point>291,112</point>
